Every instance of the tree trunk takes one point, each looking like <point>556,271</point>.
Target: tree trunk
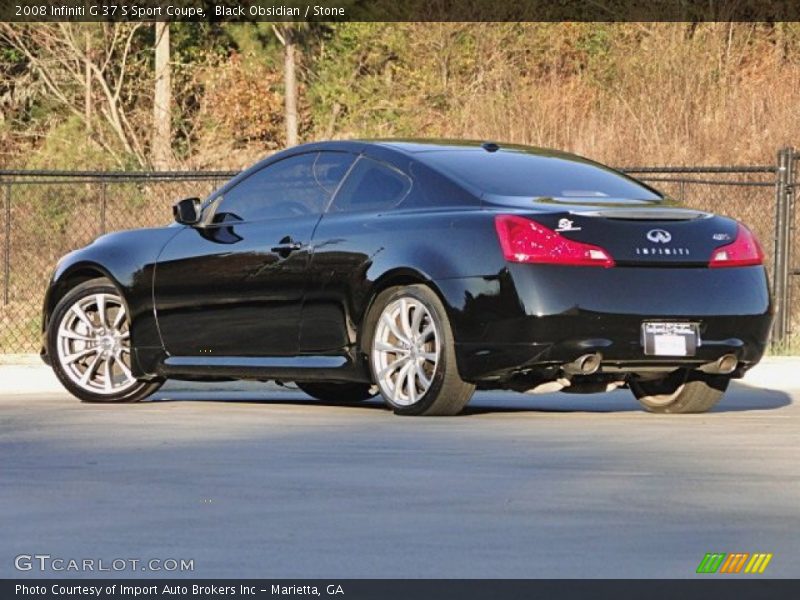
<point>290,85</point>
<point>162,120</point>
<point>87,74</point>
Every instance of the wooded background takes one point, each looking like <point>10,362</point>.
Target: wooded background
<point>219,96</point>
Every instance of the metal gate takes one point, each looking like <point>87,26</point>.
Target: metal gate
<point>786,271</point>
<point>762,197</point>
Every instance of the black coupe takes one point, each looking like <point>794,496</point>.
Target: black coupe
<point>419,270</point>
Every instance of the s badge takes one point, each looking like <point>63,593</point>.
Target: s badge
<point>566,225</point>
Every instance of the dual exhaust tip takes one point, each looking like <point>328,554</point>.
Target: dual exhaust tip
<point>588,364</point>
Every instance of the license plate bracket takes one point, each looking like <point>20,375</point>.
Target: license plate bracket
<point>668,338</point>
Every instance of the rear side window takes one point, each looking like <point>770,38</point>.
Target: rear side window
<point>371,186</point>
<point>539,175</point>
<point>330,168</point>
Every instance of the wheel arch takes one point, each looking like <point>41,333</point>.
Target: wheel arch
<point>65,281</point>
<point>396,277</point>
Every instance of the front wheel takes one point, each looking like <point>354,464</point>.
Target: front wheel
<point>412,354</point>
<point>89,344</point>
<point>680,392</point>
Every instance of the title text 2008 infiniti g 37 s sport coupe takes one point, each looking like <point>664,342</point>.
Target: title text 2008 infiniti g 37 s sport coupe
<point>421,271</point>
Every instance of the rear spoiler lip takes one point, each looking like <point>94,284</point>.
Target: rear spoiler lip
<point>646,214</point>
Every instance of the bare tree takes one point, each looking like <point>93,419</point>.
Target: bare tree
<point>61,62</point>
<point>286,36</point>
<point>162,118</point>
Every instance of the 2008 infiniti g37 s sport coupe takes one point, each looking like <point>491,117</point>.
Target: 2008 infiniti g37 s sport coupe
<point>420,270</point>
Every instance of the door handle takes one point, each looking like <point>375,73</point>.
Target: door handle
<point>286,246</point>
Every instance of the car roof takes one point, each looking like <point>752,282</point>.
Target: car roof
<point>416,146</point>
<point>402,152</point>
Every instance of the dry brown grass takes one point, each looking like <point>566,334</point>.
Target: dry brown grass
<point>631,93</point>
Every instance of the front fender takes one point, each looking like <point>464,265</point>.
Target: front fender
<point>125,258</point>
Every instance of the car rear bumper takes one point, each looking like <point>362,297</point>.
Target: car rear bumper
<point>531,316</point>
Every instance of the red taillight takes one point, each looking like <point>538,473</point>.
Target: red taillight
<point>742,252</point>
<point>526,241</point>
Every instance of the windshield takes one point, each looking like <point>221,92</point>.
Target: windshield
<point>537,175</point>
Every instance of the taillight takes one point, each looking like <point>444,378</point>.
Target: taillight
<point>526,241</point>
<point>742,252</point>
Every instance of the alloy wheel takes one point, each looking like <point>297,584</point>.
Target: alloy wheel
<point>405,351</point>
<point>93,344</point>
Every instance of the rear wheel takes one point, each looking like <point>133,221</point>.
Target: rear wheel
<point>680,392</point>
<point>337,392</point>
<point>90,348</point>
<point>412,355</point>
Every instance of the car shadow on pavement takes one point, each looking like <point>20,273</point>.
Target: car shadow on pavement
<point>739,398</point>
<point>287,397</point>
<point>743,397</point>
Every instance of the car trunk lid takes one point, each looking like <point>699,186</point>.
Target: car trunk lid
<point>644,235</point>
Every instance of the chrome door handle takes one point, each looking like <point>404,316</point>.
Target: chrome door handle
<point>286,246</point>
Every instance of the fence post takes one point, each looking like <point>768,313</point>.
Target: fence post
<point>784,218</point>
<point>103,203</point>
<point>791,234</point>
<point>7,248</point>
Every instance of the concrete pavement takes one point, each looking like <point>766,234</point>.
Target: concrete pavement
<point>249,480</point>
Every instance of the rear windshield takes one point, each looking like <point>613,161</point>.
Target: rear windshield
<point>512,173</point>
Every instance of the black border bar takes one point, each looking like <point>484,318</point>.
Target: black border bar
<point>699,587</point>
<point>399,10</point>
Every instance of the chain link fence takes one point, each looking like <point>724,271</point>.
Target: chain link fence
<point>47,214</point>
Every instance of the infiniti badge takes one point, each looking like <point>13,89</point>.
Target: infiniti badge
<point>659,236</point>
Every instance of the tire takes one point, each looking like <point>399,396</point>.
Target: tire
<point>415,376</point>
<point>335,392</point>
<point>91,356</point>
<point>681,392</point>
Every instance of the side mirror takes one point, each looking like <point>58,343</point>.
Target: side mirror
<point>187,211</point>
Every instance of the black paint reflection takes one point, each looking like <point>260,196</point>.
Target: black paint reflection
<point>222,291</point>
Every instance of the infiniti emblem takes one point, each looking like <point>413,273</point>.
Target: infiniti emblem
<point>659,236</point>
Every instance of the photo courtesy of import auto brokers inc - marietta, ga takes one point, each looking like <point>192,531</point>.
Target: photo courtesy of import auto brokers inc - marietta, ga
<point>419,270</point>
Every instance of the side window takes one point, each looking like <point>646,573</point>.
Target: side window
<point>287,188</point>
<point>371,186</point>
<point>330,168</point>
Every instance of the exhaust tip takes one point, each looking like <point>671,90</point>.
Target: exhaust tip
<point>724,365</point>
<point>727,363</point>
<point>584,365</point>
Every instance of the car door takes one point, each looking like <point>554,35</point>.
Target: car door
<point>234,285</point>
<point>350,237</point>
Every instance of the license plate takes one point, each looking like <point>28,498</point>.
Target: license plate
<point>670,339</point>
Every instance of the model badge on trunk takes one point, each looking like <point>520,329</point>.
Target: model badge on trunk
<point>566,225</point>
